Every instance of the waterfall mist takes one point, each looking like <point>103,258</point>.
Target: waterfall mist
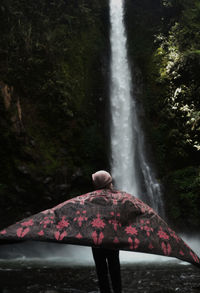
<point>130,170</point>
<point>53,254</point>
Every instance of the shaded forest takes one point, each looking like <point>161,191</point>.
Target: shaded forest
<point>54,90</point>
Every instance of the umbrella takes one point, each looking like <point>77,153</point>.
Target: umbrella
<point>103,218</point>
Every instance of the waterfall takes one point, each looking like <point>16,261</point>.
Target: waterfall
<point>130,170</point>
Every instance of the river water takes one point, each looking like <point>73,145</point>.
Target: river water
<point>28,276</point>
<point>49,268</point>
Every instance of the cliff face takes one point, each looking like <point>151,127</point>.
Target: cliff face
<point>54,75</point>
<point>53,79</point>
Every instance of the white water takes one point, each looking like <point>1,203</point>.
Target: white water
<point>122,147</point>
<point>129,166</point>
<point>71,255</point>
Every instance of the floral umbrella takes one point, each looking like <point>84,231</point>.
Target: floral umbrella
<point>103,218</point>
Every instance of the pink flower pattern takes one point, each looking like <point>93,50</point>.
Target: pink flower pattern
<point>22,232</point>
<point>3,232</point>
<point>80,218</point>
<point>28,223</point>
<point>196,259</point>
<point>60,236</point>
<point>166,248</point>
<point>162,234</point>
<point>98,222</point>
<point>47,220</point>
<point>63,223</point>
<point>174,235</point>
<point>79,236</point>
<point>41,233</point>
<point>131,230</point>
<point>133,244</point>
<point>118,219</point>
<point>116,240</point>
<point>150,246</point>
<point>114,221</point>
<point>97,238</point>
<point>145,227</point>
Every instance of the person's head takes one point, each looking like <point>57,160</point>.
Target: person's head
<point>102,179</point>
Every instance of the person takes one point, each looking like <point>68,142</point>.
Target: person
<point>106,260</point>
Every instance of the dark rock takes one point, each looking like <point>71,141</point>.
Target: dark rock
<point>47,180</point>
<point>23,169</point>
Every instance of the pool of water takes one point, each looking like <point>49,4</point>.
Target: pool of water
<point>40,276</point>
<point>46,268</point>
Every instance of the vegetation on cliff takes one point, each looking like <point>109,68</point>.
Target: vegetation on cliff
<point>52,78</point>
<point>166,49</point>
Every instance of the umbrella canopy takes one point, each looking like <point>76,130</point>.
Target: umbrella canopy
<point>103,218</point>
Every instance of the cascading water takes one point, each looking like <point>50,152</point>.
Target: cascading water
<point>129,166</point>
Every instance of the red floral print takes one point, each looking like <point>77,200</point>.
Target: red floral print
<point>63,223</point>
<point>81,217</point>
<point>22,232</point>
<point>41,233</point>
<point>28,223</point>
<point>97,239</point>
<point>60,236</point>
<point>114,221</point>
<point>194,257</point>
<point>166,248</point>
<point>103,218</point>
<point>79,236</point>
<point>162,234</point>
<point>115,201</point>
<point>94,237</point>
<point>46,221</point>
<point>147,229</point>
<point>3,232</point>
<point>116,240</point>
<point>131,230</point>
<point>133,243</point>
<point>98,222</point>
<point>130,241</point>
<point>150,246</point>
<point>101,237</point>
<point>173,234</point>
<point>137,242</point>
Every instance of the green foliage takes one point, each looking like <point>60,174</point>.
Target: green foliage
<point>184,199</point>
<point>164,44</point>
<point>50,53</point>
<point>171,77</point>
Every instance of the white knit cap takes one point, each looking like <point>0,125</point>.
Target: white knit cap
<point>101,179</point>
